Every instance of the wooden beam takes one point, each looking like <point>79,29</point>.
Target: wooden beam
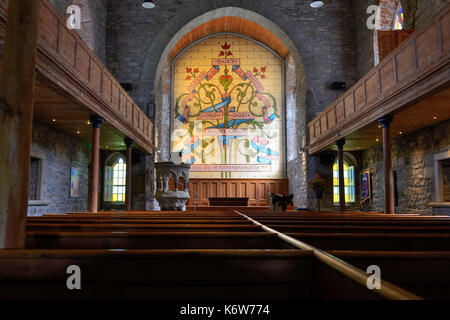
<point>96,124</point>
<point>389,206</point>
<point>16,118</point>
<point>129,144</point>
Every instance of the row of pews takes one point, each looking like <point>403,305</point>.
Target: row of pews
<point>413,252</point>
<point>228,255</point>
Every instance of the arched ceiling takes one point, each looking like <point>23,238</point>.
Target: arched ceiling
<point>234,25</point>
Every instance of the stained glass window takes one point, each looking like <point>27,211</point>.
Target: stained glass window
<point>118,186</point>
<point>349,182</point>
<point>399,18</point>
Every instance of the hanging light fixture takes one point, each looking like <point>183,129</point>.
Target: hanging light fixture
<point>316,4</point>
<point>148,4</point>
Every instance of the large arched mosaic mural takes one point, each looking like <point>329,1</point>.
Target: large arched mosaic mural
<point>228,109</point>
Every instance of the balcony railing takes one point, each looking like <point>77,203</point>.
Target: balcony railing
<point>65,59</point>
<point>415,65</point>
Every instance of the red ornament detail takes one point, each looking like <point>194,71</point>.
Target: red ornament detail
<point>188,70</point>
<point>263,69</point>
<point>255,70</point>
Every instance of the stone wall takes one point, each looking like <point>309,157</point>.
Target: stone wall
<point>446,179</point>
<point>143,182</point>
<point>412,160</point>
<point>99,18</point>
<point>60,152</point>
<point>364,38</point>
<point>93,22</point>
<point>324,36</point>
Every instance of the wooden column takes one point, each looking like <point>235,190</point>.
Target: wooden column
<point>96,124</point>
<point>340,144</point>
<point>16,119</point>
<point>129,144</point>
<point>389,207</point>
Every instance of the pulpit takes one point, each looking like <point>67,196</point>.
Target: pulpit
<point>171,185</point>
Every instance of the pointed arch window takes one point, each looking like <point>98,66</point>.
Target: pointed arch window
<point>349,182</point>
<point>115,180</point>
<point>399,19</point>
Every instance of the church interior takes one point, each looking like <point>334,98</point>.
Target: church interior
<point>226,149</point>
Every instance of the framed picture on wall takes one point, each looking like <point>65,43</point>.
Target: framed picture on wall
<point>75,182</point>
<point>365,186</point>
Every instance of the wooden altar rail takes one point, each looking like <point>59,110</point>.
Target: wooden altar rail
<point>417,67</point>
<point>65,61</point>
<point>255,190</point>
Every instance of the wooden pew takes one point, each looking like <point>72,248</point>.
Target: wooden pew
<point>101,227</point>
<point>328,228</point>
<point>157,274</point>
<point>153,240</point>
<point>380,223</point>
<point>134,221</point>
<point>141,216</point>
<point>180,275</point>
<point>376,241</point>
<point>423,273</point>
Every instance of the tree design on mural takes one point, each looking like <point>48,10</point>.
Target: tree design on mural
<point>228,104</point>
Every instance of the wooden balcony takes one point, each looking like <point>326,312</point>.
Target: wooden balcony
<point>72,84</point>
<point>412,83</point>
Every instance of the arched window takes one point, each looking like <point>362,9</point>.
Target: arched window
<point>115,179</point>
<point>349,182</point>
<point>399,18</point>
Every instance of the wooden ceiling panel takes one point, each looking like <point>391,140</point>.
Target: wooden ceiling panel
<point>233,25</point>
<point>72,118</point>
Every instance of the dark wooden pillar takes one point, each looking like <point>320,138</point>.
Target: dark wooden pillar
<point>340,145</point>
<point>16,119</point>
<point>389,207</point>
<point>95,162</point>
<point>129,144</point>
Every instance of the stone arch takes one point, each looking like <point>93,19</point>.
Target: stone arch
<point>160,75</point>
<point>162,83</point>
<point>349,158</point>
<point>113,157</point>
<point>87,32</point>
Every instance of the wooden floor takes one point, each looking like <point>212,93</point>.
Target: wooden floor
<point>230,254</point>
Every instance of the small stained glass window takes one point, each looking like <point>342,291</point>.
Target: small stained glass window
<point>399,18</point>
<point>349,182</point>
<point>119,183</point>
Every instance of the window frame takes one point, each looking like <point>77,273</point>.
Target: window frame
<point>351,168</point>
<point>39,201</point>
<point>108,181</point>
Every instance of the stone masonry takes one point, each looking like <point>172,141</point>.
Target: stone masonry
<point>61,153</point>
